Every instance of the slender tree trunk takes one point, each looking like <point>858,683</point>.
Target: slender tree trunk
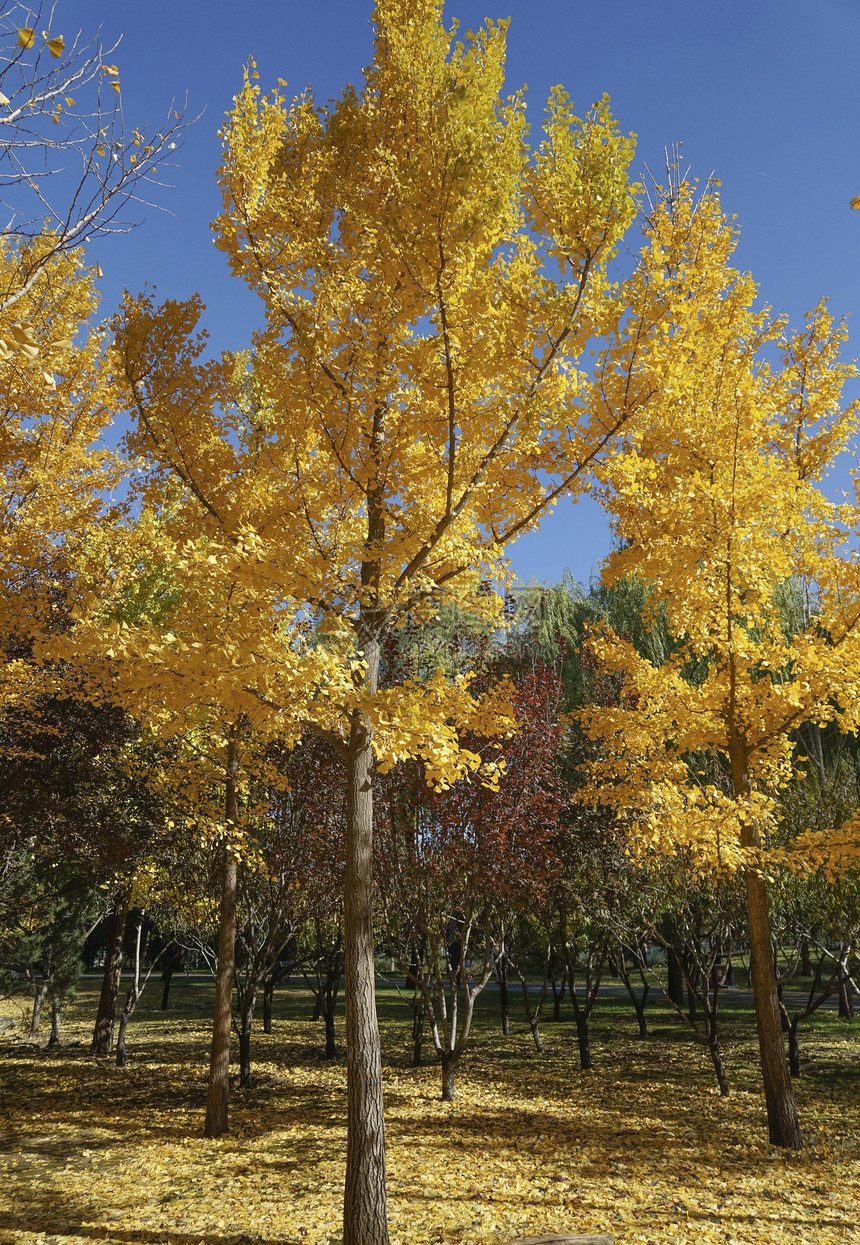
<point>717,1061</point>
<point>793,1049</point>
<point>533,1014</point>
<point>268,996</point>
<point>805,957</point>
<point>330,1047</point>
<point>38,1000</point>
<point>418,1013</point>
<point>54,1039</point>
<point>173,962</point>
<point>782,1122</point>
<point>219,1061</point>
<point>846,1007</point>
<point>449,1070</point>
<point>502,969</point>
<point>583,1039</point>
<point>247,1020</point>
<point>103,1032</point>
<point>674,966</point>
<point>693,984</point>
<point>557,996</point>
<point>364,1215</point>
<point>120,1040</point>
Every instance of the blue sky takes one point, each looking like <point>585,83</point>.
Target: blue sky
<point>762,93</point>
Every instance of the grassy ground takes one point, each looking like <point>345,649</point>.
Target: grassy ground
<point>642,1146</point>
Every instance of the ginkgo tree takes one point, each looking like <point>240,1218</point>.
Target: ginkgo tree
<point>414,401</point>
<point>719,501</point>
<point>58,398</point>
<point>68,165</point>
<point>167,629</point>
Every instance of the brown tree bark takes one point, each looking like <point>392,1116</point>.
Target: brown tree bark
<point>449,1071</point>
<point>782,1123</point>
<point>503,996</point>
<point>54,1039</point>
<point>364,1213</point>
<point>36,1017</point>
<point>246,1021</point>
<point>268,995</point>
<point>103,1032</point>
<point>222,1024</point>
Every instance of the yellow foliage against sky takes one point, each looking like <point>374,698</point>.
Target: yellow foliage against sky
<point>718,499</point>
<point>641,1147</point>
<point>430,286</point>
<point>58,397</point>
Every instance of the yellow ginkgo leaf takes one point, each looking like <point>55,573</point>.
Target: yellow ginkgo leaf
<point>100,149</point>
<point>99,272</point>
<point>3,98</point>
<point>115,84</point>
<point>55,46</point>
<point>49,380</point>
<point>855,202</point>
<point>25,36</point>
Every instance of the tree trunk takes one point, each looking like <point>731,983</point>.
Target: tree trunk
<point>693,984</point>
<point>557,996</point>
<point>449,1069</point>
<point>639,1006</point>
<point>782,1122</point>
<point>247,1020</point>
<point>584,1041</point>
<point>533,1014</point>
<point>268,996</point>
<point>805,958</point>
<point>103,1032</point>
<point>364,1212</point>
<point>715,1052</point>
<point>793,1049</point>
<point>318,1001</point>
<point>173,962</point>
<point>120,1041</point>
<point>846,1006</point>
<point>54,1039</point>
<point>418,1012</point>
<point>219,1061</point>
<point>502,969</point>
<point>674,966</point>
<point>38,1000</point>
<point>330,1048</point>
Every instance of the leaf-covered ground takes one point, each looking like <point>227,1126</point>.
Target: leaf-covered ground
<point>641,1146</point>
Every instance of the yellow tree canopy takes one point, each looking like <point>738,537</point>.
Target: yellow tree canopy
<point>58,397</point>
<point>719,504</point>
<point>423,389</point>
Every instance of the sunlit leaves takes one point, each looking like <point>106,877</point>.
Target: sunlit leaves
<point>718,501</point>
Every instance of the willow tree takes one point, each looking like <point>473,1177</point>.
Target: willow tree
<point>430,284</point>
<point>719,502</point>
